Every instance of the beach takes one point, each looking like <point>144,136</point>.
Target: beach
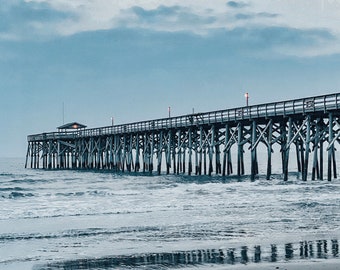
<point>102,220</point>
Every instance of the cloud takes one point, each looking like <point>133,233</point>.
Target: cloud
<point>267,15</point>
<point>289,37</point>
<point>244,16</point>
<point>163,17</point>
<point>156,49</point>
<point>20,19</point>
<point>260,15</point>
<point>280,41</point>
<point>161,11</point>
<point>31,19</point>
<point>234,4</point>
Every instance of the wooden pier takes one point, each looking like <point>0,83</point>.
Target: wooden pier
<point>204,143</point>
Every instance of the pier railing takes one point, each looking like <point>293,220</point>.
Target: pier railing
<point>277,109</point>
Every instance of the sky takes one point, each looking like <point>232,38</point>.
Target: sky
<point>91,60</point>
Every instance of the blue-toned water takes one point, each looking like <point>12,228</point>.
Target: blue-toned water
<point>102,220</point>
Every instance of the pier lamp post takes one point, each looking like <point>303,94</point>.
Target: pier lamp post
<point>246,95</point>
<point>169,111</point>
<point>112,121</point>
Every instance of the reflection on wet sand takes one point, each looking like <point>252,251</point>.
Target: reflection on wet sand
<point>321,249</point>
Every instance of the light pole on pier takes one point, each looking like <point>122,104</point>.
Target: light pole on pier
<point>246,95</point>
<point>169,111</point>
<point>112,121</point>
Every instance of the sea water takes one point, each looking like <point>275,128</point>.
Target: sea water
<point>65,219</point>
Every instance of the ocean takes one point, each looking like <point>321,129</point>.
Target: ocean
<point>65,219</point>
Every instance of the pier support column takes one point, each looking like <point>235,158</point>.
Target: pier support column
<point>110,153</point>
<point>253,152</point>
<point>315,169</point>
<point>286,146</point>
<point>184,150</point>
<point>190,151</point>
<point>152,150</point>
<point>269,149</point>
<point>160,153</point>
<point>240,161</point>
<point>137,158</point>
<point>44,153</point>
<point>200,147</point>
<point>73,157</point>
<point>89,156</point>
<point>179,152</point>
<point>321,158</point>
<point>330,149</point>
<point>28,154</point>
<point>168,152</point>
<point>114,153</point>
<point>298,155</point>
<point>307,143</point>
<point>217,152</point>
<point>173,151</point>
<point>196,146</point>
<point>225,152</point>
<point>129,154</point>
<point>32,155</point>
<point>122,153</point>
<point>211,150</point>
<point>58,156</point>
<point>145,143</point>
<point>38,154</point>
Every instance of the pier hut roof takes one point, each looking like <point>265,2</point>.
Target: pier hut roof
<point>73,125</point>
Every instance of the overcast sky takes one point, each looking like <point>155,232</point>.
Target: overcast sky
<point>131,60</point>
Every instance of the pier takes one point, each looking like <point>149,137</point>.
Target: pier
<point>204,143</point>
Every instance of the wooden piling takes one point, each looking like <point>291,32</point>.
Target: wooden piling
<point>315,168</point>
<point>307,143</point>
<point>330,147</point>
<point>211,150</point>
<point>179,156</point>
<point>160,153</point>
<point>190,151</point>
<point>269,149</point>
<point>253,151</point>
<point>200,151</point>
<point>225,152</point>
<point>285,147</point>
<point>240,161</point>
